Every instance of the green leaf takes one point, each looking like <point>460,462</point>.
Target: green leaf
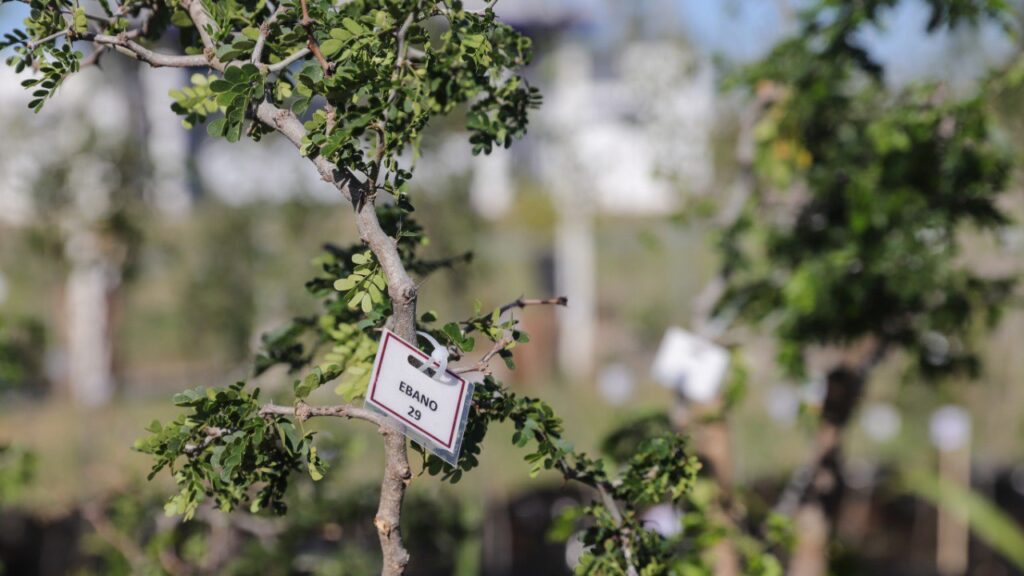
<point>345,284</point>
<point>352,26</point>
<point>216,128</point>
<point>340,34</point>
<point>221,86</point>
<point>314,465</point>
<point>308,384</point>
<point>352,388</point>
<point>331,47</point>
<point>81,22</point>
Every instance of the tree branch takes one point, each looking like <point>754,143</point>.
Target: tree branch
<point>402,291</point>
<point>613,508</point>
<point>212,433</point>
<point>401,288</point>
<point>261,40</point>
<point>204,24</point>
<point>524,302</point>
<point>604,489</point>
<point>124,44</point>
<point>94,58</point>
<point>307,23</point>
<point>302,412</point>
<point>483,365</point>
<point>298,55</point>
<point>37,43</point>
<point>400,37</point>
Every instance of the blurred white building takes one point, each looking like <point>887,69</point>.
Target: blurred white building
<point>633,144</point>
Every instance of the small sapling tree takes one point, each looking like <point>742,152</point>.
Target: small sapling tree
<point>352,85</point>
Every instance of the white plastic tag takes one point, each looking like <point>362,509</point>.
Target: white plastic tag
<point>426,401</point>
<point>690,364</point>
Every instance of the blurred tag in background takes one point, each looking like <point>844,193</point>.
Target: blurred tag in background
<point>690,364</point>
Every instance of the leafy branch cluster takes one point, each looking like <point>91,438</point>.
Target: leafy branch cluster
<point>383,68</point>
<point>325,532</point>
<point>228,451</point>
<point>659,469</point>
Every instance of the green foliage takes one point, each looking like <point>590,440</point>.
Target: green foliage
<point>236,93</point>
<point>21,354</point>
<point>865,197</point>
<point>366,285</point>
<point>195,102</point>
<point>391,66</point>
<point>654,470</point>
<point>661,469</point>
<point>325,534</point>
<point>17,468</point>
<point>227,448</point>
<point>64,61</point>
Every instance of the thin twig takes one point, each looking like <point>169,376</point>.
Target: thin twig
<point>212,434</point>
<point>296,56</point>
<point>37,43</point>
<point>483,365</point>
<point>604,489</point>
<point>261,39</point>
<point>302,412</point>
<point>428,266</point>
<point>523,303</point>
<point>400,36</point>
<point>613,508</point>
<point>94,58</point>
<point>314,48</point>
<point>205,25</point>
<point>378,157</point>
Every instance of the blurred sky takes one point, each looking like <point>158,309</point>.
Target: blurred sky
<point>742,30</point>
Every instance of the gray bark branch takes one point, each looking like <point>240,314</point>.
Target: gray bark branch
<point>125,45</point>
<point>402,291</point>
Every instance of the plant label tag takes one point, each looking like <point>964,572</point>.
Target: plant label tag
<point>429,406</point>
<point>690,364</point>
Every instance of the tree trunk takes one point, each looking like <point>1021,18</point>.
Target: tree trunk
<point>819,492</point>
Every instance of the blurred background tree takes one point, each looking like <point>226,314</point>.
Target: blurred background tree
<point>852,246</point>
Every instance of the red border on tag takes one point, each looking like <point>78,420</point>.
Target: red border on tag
<point>388,335</point>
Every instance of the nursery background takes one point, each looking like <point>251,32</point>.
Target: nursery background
<point>788,231</point>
